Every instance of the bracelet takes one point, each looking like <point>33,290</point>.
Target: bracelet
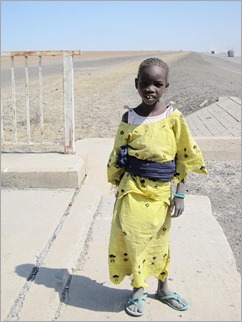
<point>179,195</point>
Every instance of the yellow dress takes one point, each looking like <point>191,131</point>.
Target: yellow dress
<point>139,244</point>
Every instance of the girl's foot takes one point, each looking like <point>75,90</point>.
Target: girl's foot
<point>137,303</point>
<point>171,298</point>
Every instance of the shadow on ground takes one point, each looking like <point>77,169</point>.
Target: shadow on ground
<point>86,293</point>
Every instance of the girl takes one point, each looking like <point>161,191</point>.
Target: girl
<point>153,148</point>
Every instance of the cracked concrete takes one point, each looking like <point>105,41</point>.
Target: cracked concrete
<point>13,315</point>
<point>70,286</point>
<point>65,296</point>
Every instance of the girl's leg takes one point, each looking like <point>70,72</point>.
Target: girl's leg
<point>163,290</point>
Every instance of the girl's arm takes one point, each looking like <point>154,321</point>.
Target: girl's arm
<point>177,204</point>
<point>114,173</point>
<point>181,187</point>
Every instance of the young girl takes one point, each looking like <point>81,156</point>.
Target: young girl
<point>153,148</point>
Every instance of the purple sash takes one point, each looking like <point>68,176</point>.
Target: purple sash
<point>148,169</point>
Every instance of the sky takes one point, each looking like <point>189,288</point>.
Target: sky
<point>199,26</point>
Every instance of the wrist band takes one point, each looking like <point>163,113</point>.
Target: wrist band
<point>179,195</point>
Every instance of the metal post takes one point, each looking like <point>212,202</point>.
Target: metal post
<point>13,100</point>
<point>2,133</point>
<point>27,96</point>
<point>41,96</point>
<point>68,140</point>
<point>69,123</point>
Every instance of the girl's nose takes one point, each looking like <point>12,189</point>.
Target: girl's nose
<point>149,89</point>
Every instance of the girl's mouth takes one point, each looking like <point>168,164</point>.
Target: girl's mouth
<point>150,97</point>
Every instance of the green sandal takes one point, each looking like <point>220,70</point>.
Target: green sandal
<point>136,302</point>
<point>175,297</point>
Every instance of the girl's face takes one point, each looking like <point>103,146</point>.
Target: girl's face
<point>151,84</point>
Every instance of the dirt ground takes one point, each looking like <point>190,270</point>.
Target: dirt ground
<point>103,87</point>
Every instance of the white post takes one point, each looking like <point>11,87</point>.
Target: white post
<point>41,96</point>
<point>27,96</point>
<point>13,99</point>
<point>68,84</point>
<point>2,133</point>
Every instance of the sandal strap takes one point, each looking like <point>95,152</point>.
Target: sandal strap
<point>175,297</point>
<point>136,302</point>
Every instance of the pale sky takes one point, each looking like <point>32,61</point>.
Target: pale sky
<point>121,25</point>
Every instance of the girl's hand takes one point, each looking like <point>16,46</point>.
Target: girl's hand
<point>177,207</point>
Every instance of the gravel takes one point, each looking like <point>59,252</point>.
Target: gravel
<point>194,81</point>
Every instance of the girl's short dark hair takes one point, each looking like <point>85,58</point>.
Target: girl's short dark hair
<point>153,61</point>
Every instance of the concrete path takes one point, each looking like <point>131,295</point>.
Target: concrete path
<point>47,228</point>
<point>54,248</point>
<point>222,119</point>
<point>199,271</point>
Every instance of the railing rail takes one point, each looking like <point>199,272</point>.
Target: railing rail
<point>68,141</point>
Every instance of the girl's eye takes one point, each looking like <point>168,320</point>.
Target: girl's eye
<point>143,84</point>
<point>159,85</point>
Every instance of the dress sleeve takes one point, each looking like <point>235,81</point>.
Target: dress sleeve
<point>114,174</point>
<point>189,158</point>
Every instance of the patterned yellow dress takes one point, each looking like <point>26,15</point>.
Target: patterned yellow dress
<point>139,244</point>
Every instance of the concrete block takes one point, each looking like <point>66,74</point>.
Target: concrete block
<point>42,170</point>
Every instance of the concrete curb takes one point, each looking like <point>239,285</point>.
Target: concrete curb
<point>54,170</point>
<point>220,148</point>
<point>43,170</point>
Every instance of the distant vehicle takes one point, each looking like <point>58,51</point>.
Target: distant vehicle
<point>230,53</point>
<point>212,52</point>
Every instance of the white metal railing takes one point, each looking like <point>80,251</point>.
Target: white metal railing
<point>68,140</point>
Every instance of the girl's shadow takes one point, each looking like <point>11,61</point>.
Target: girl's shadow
<point>83,291</point>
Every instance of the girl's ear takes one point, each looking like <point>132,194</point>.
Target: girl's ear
<point>167,85</point>
<point>136,83</point>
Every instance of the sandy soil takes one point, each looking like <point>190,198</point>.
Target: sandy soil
<point>104,86</point>
<point>94,98</point>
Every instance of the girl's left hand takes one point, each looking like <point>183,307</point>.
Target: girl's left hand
<point>177,205</point>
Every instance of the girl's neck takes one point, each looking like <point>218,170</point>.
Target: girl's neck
<point>150,110</point>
